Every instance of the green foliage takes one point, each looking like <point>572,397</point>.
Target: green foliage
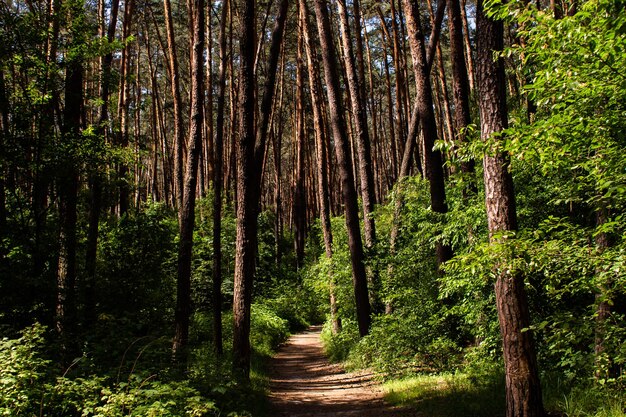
<point>30,385</point>
<point>23,371</point>
<point>268,330</point>
<point>398,345</point>
<point>338,346</point>
<point>141,245</point>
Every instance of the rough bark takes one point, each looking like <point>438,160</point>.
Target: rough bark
<point>247,204</point>
<point>355,77</point>
<point>187,210</point>
<point>523,391</point>
<point>434,163</point>
<point>344,159</point>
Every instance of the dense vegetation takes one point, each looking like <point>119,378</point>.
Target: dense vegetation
<point>167,221</point>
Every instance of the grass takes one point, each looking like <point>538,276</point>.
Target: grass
<point>459,394</point>
<point>448,394</point>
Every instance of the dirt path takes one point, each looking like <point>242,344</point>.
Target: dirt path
<point>305,384</point>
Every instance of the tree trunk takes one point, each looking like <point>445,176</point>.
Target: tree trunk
<point>179,133</point>
<point>299,198</point>
<point>187,210</point>
<point>249,164</point>
<point>247,204</point>
<point>322,167</point>
<point>523,391</point>
<point>434,164</point>
<point>460,85</point>
<point>603,305</point>
<point>67,184</point>
<point>218,178</point>
<point>359,114</point>
<point>123,107</point>
<point>342,149</point>
<point>468,48</point>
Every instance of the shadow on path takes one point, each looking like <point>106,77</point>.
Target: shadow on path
<point>305,384</point>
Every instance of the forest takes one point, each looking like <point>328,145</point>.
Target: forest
<point>441,184</point>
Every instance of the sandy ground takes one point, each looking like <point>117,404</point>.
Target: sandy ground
<point>304,383</point>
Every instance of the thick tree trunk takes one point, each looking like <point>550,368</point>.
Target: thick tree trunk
<point>218,180</point>
<point>67,185</point>
<point>355,76</point>
<point>247,204</point>
<point>434,163</point>
<point>523,391</point>
<point>249,163</point>
<point>342,149</point>
<point>187,210</point>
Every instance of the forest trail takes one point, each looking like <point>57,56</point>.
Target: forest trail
<point>304,384</point>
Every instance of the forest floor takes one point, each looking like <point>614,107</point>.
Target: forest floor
<point>304,384</point>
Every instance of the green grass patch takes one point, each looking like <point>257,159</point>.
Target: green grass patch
<point>447,395</point>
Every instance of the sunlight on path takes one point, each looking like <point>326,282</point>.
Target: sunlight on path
<point>305,384</point>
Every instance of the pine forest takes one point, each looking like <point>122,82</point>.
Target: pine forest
<point>290,208</point>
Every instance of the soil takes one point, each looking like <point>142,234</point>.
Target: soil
<point>304,384</point>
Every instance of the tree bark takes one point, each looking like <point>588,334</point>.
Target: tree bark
<point>67,185</point>
<point>355,77</point>
<point>187,210</point>
<point>344,159</point>
<point>247,204</point>
<point>179,133</point>
<point>299,197</point>
<point>523,391</point>
<point>218,180</point>
<point>123,107</point>
<point>249,163</point>
<point>460,85</point>
<point>322,167</point>
<point>434,163</point>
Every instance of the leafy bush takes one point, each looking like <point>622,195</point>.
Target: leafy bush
<point>28,386</point>
<point>337,346</point>
<point>24,372</point>
<point>268,330</point>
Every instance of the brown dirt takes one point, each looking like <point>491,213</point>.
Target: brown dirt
<point>304,383</point>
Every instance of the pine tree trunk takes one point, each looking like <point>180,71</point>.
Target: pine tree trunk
<point>179,133</point>
<point>299,198</point>
<point>523,391</point>
<point>67,185</point>
<point>247,204</point>
<point>322,167</point>
<point>218,180</point>
<point>344,159</point>
<point>460,84</point>
<point>434,163</point>
<point>187,210</point>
